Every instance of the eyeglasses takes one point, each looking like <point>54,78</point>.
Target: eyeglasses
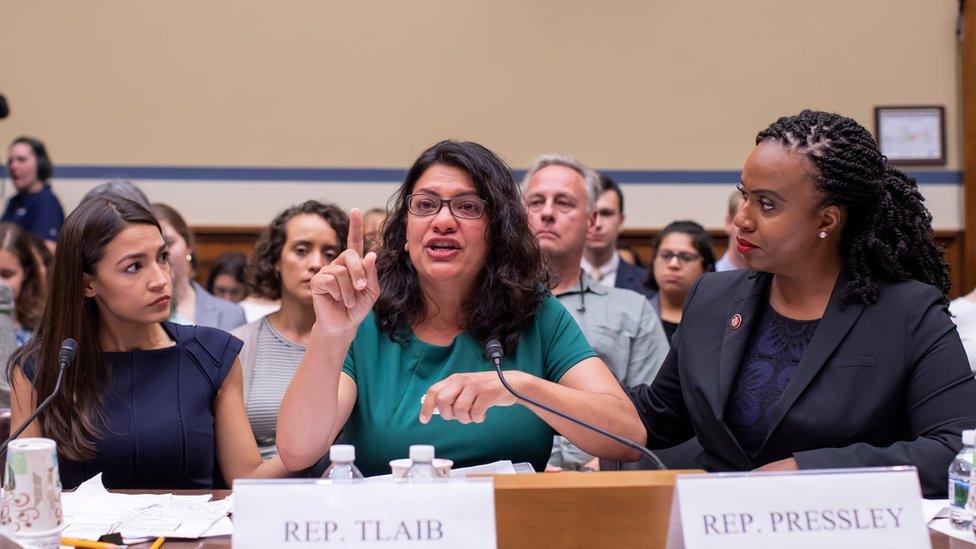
<point>683,257</point>
<point>462,207</point>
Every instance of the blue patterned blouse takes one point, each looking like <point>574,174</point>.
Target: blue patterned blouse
<point>775,347</point>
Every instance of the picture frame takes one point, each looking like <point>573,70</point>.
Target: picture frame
<point>913,135</point>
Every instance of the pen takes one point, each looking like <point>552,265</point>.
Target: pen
<point>158,543</point>
<point>88,544</point>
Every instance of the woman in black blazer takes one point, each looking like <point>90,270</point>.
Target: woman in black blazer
<point>835,349</point>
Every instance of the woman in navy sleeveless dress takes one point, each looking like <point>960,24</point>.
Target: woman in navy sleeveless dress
<point>147,403</point>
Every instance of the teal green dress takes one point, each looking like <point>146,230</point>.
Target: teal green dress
<point>391,376</point>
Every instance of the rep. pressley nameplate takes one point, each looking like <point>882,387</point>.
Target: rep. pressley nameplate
<point>829,508</point>
<point>304,513</point>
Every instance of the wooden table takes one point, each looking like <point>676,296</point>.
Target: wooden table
<point>579,503</point>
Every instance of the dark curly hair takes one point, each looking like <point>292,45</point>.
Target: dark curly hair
<point>515,278</point>
<point>699,238</point>
<point>263,278</point>
<point>887,233</point>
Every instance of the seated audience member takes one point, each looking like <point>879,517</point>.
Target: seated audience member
<point>601,260</point>
<point>227,279</point>
<point>122,188</point>
<point>731,259</point>
<point>458,268</point>
<point>298,243</point>
<point>627,253</point>
<point>147,403</point>
<point>34,208</point>
<point>560,196</point>
<point>373,228</point>
<point>19,271</point>
<point>835,348</point>
<point>963,311</point>
<point>682,253</point>
<point>193,304</point>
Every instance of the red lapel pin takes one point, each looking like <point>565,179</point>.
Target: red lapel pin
<point>735,321</point>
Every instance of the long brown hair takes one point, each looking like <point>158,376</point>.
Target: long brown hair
<point>72,419</point>
<point>30,300</point>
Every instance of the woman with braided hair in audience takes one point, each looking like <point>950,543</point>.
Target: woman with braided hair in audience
<point>834,349</point>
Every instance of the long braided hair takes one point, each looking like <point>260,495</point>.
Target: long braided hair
<point>887,235</point>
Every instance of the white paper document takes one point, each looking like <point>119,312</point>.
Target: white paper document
<point>92,511</point>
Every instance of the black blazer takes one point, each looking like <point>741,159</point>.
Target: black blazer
<point>879,385</point>
<point>632,277</point>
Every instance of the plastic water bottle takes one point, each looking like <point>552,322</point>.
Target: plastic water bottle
<point>959,473</point>
<point>342,467</point>
<point>421,464</point>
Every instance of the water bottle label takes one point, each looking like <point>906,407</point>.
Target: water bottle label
<point>958,492</point>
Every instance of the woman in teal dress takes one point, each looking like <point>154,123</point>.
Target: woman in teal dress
<point>457,268</point>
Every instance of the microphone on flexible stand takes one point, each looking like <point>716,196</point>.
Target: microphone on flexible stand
<point>66,355</point>
<point>496,353</point>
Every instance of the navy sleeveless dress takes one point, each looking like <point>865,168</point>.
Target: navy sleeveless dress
<point>157,415</point>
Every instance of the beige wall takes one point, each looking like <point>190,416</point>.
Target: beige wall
<point>662,84</point>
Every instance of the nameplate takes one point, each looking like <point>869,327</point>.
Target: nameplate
<point>826,508</point>
<point>303,513</point>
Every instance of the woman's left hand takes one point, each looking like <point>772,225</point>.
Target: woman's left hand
<point>467,397</point>
<point>788,464</point>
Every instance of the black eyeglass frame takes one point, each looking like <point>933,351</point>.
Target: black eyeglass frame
<point>450,205</point>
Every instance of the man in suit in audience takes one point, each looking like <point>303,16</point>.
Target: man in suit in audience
<point>560,195</point>
<point>731,260</point>
<point>601,261</point>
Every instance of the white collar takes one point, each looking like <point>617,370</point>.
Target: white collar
<point>606,269</point>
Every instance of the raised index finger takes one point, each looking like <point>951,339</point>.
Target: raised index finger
<point>355,239</point>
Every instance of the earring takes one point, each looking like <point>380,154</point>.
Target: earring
<point>189,257</point>
<point>823,234</point>
<point>406,247</point>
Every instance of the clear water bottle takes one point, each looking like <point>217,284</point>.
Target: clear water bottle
<point>421,464</point>
<point>342,467</point>
<point>959,473</point>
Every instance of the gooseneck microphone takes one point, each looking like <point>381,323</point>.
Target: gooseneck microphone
<point>496,353</point>
<point>66,355</point>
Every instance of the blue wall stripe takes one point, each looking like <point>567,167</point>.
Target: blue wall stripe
<point>387,175</point>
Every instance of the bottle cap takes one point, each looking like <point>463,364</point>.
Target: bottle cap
<point>421,452</point>
<point>969,437</point>
<point>342,452</point>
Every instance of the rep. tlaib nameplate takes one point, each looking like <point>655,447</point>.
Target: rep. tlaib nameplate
<point>322,513</point>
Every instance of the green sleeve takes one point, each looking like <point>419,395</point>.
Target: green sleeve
<point>563,343</point>
<point>367,330</point>
<point>349,363</point>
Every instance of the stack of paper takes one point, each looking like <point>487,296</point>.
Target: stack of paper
<point>91,511</point>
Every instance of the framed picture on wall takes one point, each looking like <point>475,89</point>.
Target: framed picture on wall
<point>912,135</point>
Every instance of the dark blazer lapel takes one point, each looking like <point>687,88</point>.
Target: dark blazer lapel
<point>834,325</point>
<point>748,306</point>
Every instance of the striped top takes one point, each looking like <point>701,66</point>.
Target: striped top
<point>275,361</point>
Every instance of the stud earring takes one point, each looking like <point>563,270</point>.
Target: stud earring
<point>823,234</point>
<point>406,247</point>
<point>189,257</point>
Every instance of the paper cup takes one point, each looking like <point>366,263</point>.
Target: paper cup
<point>32,488</point>
<point>400,466</point>
<point>39,540</point>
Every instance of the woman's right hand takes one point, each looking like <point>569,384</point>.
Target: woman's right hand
<point>344,291</point>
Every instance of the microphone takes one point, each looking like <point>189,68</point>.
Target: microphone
<point>66,355</point>
<point>496,353</point>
